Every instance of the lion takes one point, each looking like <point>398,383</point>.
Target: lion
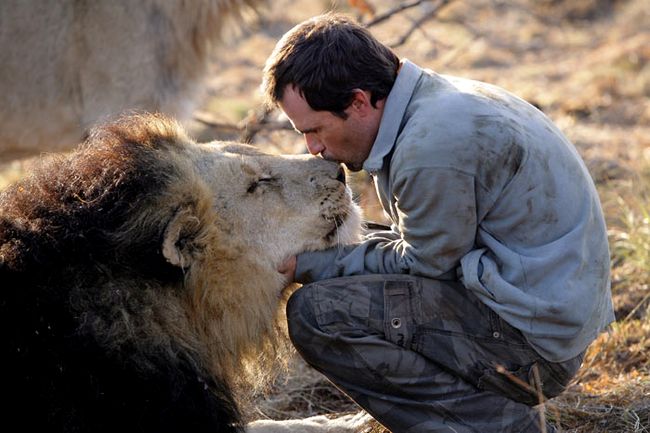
<point>140,283</point>
<point>68,64</point>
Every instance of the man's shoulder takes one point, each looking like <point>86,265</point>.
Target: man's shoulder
<point>449,108</point>
<point>452,122</point>
<point>448,93</point>
<point>440,112</point>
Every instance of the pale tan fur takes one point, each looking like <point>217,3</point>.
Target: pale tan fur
<point>66,64</point>
<point>355,423</point>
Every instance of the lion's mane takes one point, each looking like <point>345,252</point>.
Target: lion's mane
<point>90,302</point>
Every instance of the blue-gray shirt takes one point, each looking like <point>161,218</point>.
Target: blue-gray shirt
<point>480,184</point>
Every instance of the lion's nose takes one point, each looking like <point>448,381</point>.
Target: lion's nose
<point>340,176</point>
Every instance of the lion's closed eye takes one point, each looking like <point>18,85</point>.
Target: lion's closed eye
<point>261,182</point>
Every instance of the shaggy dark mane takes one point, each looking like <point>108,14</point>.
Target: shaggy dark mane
<point>64,214</point>
<point>84,314</point>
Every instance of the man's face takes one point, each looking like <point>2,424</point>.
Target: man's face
<point>342,140</point>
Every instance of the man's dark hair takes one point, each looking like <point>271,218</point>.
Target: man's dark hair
<point>327,58</point>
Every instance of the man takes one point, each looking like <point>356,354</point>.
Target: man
<point>481,299</point>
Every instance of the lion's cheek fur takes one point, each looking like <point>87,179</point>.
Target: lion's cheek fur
<point>244,298</point>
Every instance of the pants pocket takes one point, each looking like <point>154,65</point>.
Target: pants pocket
<point>339,305</point>
<point>399,311</point>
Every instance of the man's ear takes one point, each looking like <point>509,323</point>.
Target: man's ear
<point>180,235</point>
<point>361,101</point>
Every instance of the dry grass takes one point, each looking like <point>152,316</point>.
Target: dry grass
<point>612,390</point>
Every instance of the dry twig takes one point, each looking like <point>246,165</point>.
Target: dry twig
<point>248,127</point>
<point>397,9</point>
<point>417,23</point>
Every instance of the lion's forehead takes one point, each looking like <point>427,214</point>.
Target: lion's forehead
<point>233,159</point>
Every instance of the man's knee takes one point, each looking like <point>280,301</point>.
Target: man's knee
<point>332,316</point>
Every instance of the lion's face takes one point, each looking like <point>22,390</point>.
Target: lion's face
<point>278,205</point>
<point>268,207</point>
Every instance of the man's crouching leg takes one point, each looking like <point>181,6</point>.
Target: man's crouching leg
<point>364,334</point>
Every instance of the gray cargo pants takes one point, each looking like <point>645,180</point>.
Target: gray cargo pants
<point>423,355</point>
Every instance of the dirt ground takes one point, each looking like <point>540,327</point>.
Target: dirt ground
<point>586,63</point>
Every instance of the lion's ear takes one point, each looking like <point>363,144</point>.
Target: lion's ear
<point>180,234</point>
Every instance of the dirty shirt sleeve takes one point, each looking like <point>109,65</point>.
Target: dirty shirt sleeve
<point>434,225</point>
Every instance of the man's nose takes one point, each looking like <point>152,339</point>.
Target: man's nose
<point>314,146</point>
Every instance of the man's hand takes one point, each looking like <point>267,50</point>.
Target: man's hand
<point>288,269</point>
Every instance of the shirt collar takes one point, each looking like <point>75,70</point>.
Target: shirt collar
<point>391,119</point>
